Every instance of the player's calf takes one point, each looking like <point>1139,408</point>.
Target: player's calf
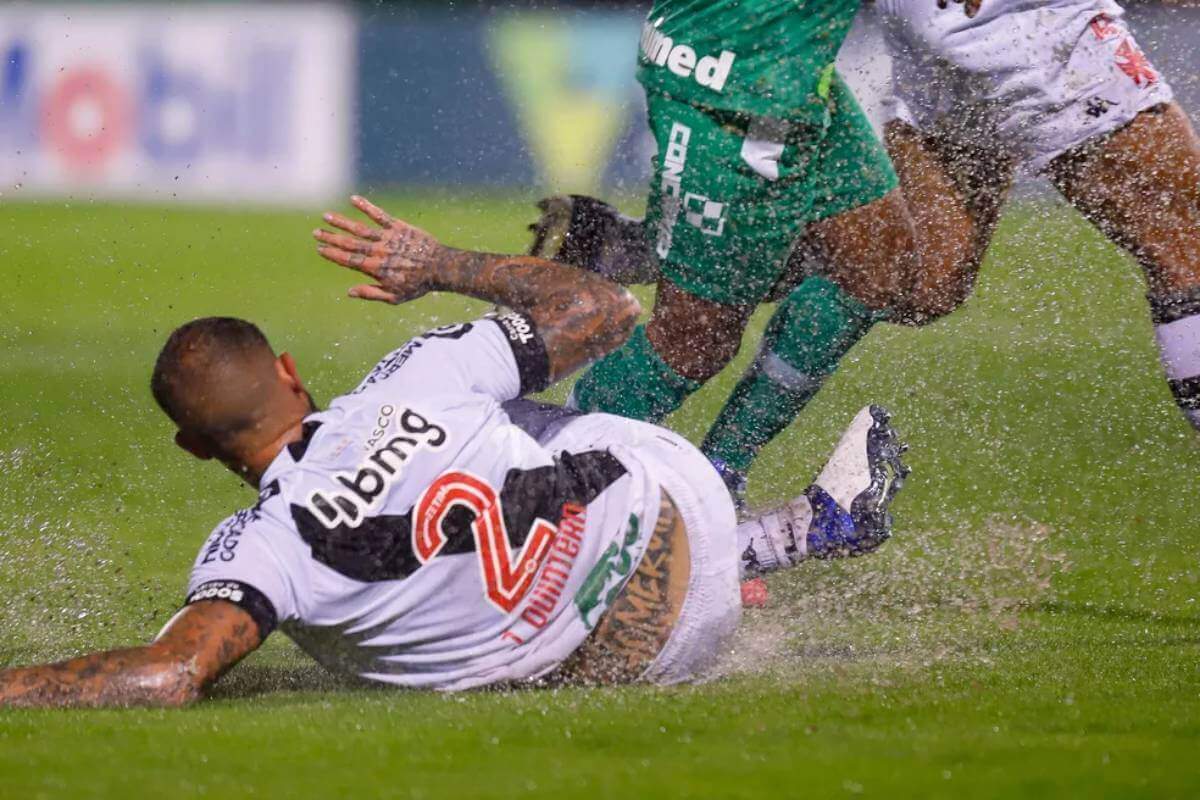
<point>1141,187</point>
<point>845,512</point>
<point>954,193</point>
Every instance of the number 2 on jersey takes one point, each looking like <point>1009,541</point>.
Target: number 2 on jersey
<point>506,576</point>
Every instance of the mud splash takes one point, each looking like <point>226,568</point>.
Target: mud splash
<point>928,597</point>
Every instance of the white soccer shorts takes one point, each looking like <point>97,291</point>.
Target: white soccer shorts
<point>712,607</point>
<point>1036,78</point>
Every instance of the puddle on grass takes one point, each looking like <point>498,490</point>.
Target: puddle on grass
<point>929,597</point>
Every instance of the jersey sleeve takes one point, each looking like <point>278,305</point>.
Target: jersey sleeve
<point>501,356</point>
<point>240,563</point>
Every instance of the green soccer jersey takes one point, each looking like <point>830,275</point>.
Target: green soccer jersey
<point>765,57</point>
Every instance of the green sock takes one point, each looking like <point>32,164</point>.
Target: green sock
<point>806,338</point>
<point>634,382</point>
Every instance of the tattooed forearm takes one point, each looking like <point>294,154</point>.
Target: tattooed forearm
<point>198,646</point>
<point>137,676</point>
<point>580,316</point>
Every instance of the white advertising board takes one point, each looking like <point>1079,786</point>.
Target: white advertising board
<point>207,102</point>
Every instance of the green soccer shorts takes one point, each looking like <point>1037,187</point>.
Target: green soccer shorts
<point>731,193</point>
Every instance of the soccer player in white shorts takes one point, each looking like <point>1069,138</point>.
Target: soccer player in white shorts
<point>1058,87</point>
<point>431,529</point>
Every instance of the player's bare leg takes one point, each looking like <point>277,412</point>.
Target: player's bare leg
<point>866,259</point>
<point>687,341</point>
<point>869,251</point>
<point>696,337</point>
<point>1141,187</point>
<point>954,194</point>
<point>863,260</point>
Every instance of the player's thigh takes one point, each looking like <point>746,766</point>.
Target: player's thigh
<point>869,251</point>
<point>860,229</point>
<point>851,169</point>
<point>1141,185</point>
<point>954,192</point>
<point>728,196</point>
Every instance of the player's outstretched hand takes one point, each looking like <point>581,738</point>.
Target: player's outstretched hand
<point>400,257</point>
<point>970,6</point>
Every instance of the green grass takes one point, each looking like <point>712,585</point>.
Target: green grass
<point>1032,630</point>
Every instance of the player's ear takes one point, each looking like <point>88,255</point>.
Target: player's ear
<point>285,367</point>
<point>194,444</point>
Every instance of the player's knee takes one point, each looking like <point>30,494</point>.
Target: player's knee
<point>928,311</point>
<point>700,355</point>
<point>697,348</point>
<point>694,336</point>
<point>871,251</point>
<point>930,301</point>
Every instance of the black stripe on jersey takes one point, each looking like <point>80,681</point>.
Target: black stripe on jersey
<point>298,448</point>
<point>533,362</point>
<point>1187,392</point>
<point>242,595</point>
<point>541,421</point>
<point>542,492</point>
<point>1174,306</point>
<point>380,548</point>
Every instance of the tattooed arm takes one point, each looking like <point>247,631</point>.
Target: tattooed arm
<point>579,316</point>
<point>198,646</point>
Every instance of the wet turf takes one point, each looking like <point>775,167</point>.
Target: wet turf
<point>1033,630</point>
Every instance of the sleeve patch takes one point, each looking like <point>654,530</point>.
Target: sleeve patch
<point>533,362</point>
<point>242,595</point>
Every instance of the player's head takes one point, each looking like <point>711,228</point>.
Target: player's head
<point>221,383</point>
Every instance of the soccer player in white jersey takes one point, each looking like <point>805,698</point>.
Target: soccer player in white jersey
<point>431,529</point>
<point>1058,87</point>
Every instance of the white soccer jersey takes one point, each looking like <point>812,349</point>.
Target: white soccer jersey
<point>430,529</point>
<point>1033,77</point>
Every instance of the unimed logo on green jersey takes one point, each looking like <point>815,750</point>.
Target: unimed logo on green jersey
<point>710,71</point>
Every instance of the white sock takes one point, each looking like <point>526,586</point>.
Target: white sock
<point>1179,348</point>
<point>776,540</point>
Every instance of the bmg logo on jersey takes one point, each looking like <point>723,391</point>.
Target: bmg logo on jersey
<point>366,487</point>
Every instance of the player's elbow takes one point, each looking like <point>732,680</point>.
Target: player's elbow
<point>625,313</point>
<point>173,682</point>
<point>180,699</point>
<point>619,312</point>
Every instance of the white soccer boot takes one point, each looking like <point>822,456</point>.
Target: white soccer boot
<point>844,512</point>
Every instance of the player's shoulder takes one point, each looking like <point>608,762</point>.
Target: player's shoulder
<point>261,523</point>
<point>422,353</point>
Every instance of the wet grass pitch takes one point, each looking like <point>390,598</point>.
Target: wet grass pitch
<point>1032,630</point>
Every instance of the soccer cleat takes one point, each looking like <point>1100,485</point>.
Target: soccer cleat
<point>594,236</point>
<point>851,497</point>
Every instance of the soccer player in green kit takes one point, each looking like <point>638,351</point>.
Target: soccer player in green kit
<point>761,149</point>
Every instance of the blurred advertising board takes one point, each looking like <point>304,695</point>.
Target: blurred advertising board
<point>502,98</point>
<point>548,101</point>
<point>211,102</point>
